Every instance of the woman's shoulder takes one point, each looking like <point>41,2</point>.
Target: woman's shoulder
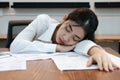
<point>43,16</point>
<point>47,18</point>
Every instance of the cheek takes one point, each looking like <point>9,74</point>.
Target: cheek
<point>81,34</point>
<point>59,34</point>
<point>70,43</point>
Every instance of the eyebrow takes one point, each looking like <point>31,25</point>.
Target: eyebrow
<point>70,27</point>
<point>72,30</point>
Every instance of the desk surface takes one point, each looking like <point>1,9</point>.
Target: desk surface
<point>107,38</point>
<point>47,70</point>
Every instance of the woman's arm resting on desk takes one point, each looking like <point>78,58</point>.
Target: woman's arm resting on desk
<point>24,42</point>
<point>24,46</point>
<point>97,55</point>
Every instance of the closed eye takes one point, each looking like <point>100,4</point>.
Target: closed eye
<point>68,28</point>
<point>76,38</point>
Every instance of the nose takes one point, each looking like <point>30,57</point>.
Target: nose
<point>66,38</point>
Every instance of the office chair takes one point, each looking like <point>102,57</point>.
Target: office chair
<point>14,27</point>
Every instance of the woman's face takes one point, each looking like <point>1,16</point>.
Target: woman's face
<point>69,33</point>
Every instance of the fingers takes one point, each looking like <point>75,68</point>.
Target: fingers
<point>90,61</point>
<point>115,66</point>
<point>111,68</point>
<point>103,62</point>
<point>93,60</point>
<point>106,64</point>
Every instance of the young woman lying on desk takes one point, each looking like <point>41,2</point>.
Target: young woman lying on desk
<point>75,32</point>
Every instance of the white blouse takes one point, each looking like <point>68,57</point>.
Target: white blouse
<point>36,38</point>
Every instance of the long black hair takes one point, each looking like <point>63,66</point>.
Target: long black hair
<point>87,19</point>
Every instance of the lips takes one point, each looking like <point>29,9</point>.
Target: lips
<point>61,41</point>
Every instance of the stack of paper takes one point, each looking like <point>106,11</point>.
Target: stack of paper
<point>74,61</point>
<point>64,61</point>
<point>9,62</point>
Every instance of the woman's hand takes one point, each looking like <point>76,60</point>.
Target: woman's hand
<point>103,61</point>
<point>63,48</point>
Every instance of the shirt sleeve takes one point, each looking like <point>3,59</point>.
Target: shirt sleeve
<point>28,47</point>
<point>25,41</point>
<point>84,46</point>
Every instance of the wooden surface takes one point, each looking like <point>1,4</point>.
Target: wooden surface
<point>4,49</point>
<point>3,37</point>
<point>107,38</point>
<point>47,70</point>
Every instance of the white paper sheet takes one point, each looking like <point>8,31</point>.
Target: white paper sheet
<point>36,56</point>
<point>12,63</point>
<point>64,61</point>
<point>9,61</point>
<point>74,61</point>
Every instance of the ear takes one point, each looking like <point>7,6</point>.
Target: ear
<point>64,18</point>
